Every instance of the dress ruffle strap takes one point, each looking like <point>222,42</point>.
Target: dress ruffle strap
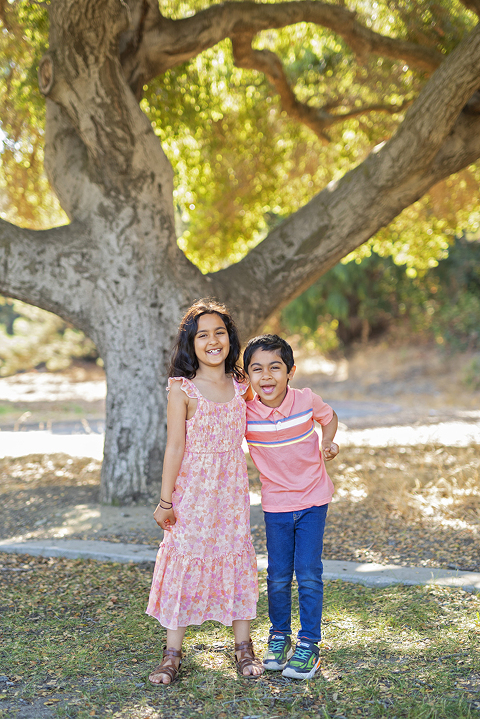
<point>187,386</point>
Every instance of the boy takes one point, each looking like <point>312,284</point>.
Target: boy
<point>296,490</point>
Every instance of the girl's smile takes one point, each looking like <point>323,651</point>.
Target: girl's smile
<point>211,343</point>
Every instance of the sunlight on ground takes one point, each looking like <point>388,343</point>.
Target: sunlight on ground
<point>18,444</point>
<point>49,387</point>
<point>456,434</point>
<point>450,434</point>
<point>255,498</point>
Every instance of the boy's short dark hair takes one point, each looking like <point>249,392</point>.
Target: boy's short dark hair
<point>268,343</point>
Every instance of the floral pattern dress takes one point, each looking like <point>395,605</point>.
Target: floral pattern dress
<point>206,566</point>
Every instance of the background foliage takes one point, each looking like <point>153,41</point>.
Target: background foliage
<point>30,337</point>
<point>363,297</point>
<point>26,197</point>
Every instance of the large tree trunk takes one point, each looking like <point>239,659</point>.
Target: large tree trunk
<point>136,345</point>
<point>116,271</point>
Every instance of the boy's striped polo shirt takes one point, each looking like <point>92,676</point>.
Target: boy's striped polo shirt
<point>285,448</point>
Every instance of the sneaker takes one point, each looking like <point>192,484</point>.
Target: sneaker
<point>305,661</point>
<point>278,652</point>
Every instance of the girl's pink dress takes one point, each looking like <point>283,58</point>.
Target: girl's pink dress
<point>206,566</point>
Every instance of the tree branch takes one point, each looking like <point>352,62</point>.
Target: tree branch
<point>473,5</point>
<point>434,113</point>
<point>167,43</point>
<point>3,14</point>
<point>317,119</point>
<point>49,268</point>
<point>435,140</point>
<point>267,62</point>
<point>145,19</point>
<point>337,221</point>
<point>357,111</point>
<point>116,153</point>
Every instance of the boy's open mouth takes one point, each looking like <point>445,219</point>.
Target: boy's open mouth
<point>268,388</point>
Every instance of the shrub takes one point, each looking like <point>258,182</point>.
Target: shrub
<point>364,298</point>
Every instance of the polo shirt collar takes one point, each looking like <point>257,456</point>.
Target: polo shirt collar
<point>284,409</point>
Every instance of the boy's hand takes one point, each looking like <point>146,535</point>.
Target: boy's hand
<point>329,449</point>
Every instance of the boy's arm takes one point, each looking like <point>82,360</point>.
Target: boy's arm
<point>248,395</point>
<point>329,448</point>
<point>323,412</point>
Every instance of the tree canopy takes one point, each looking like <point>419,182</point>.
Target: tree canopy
<point>244,153</point>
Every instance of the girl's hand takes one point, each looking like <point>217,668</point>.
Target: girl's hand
<point>329,449</point>
<point>165,518</point>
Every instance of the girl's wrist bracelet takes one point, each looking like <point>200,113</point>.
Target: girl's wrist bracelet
<point>164,501</point>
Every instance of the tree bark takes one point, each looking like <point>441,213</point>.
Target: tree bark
<point>136,340</point>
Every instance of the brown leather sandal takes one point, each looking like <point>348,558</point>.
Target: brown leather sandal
<point>247,659</point>
<point>168,669</point>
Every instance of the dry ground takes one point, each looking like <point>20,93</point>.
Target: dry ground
<point>418,506</point>
<point>405,505</point>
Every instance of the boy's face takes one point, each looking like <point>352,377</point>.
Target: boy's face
<point>269,377</point>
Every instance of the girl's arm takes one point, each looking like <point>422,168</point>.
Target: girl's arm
<point>329,447</point>
<point>176,416</point>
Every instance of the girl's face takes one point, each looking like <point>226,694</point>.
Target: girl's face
<point>211,343</point>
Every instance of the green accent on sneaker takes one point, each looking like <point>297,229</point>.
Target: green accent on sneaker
<point>305,661</point>
<point>278,652</point>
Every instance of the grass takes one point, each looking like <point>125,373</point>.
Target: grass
<point>77,644</point>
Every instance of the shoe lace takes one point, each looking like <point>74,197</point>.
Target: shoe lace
<point>302,654</point>
<point>276,645</point>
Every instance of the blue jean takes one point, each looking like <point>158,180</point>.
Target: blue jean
<point>295,543</point>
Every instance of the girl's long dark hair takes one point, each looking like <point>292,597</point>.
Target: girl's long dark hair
<point>184,362</point>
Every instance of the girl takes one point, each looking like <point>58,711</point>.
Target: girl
<point>206,566</point>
